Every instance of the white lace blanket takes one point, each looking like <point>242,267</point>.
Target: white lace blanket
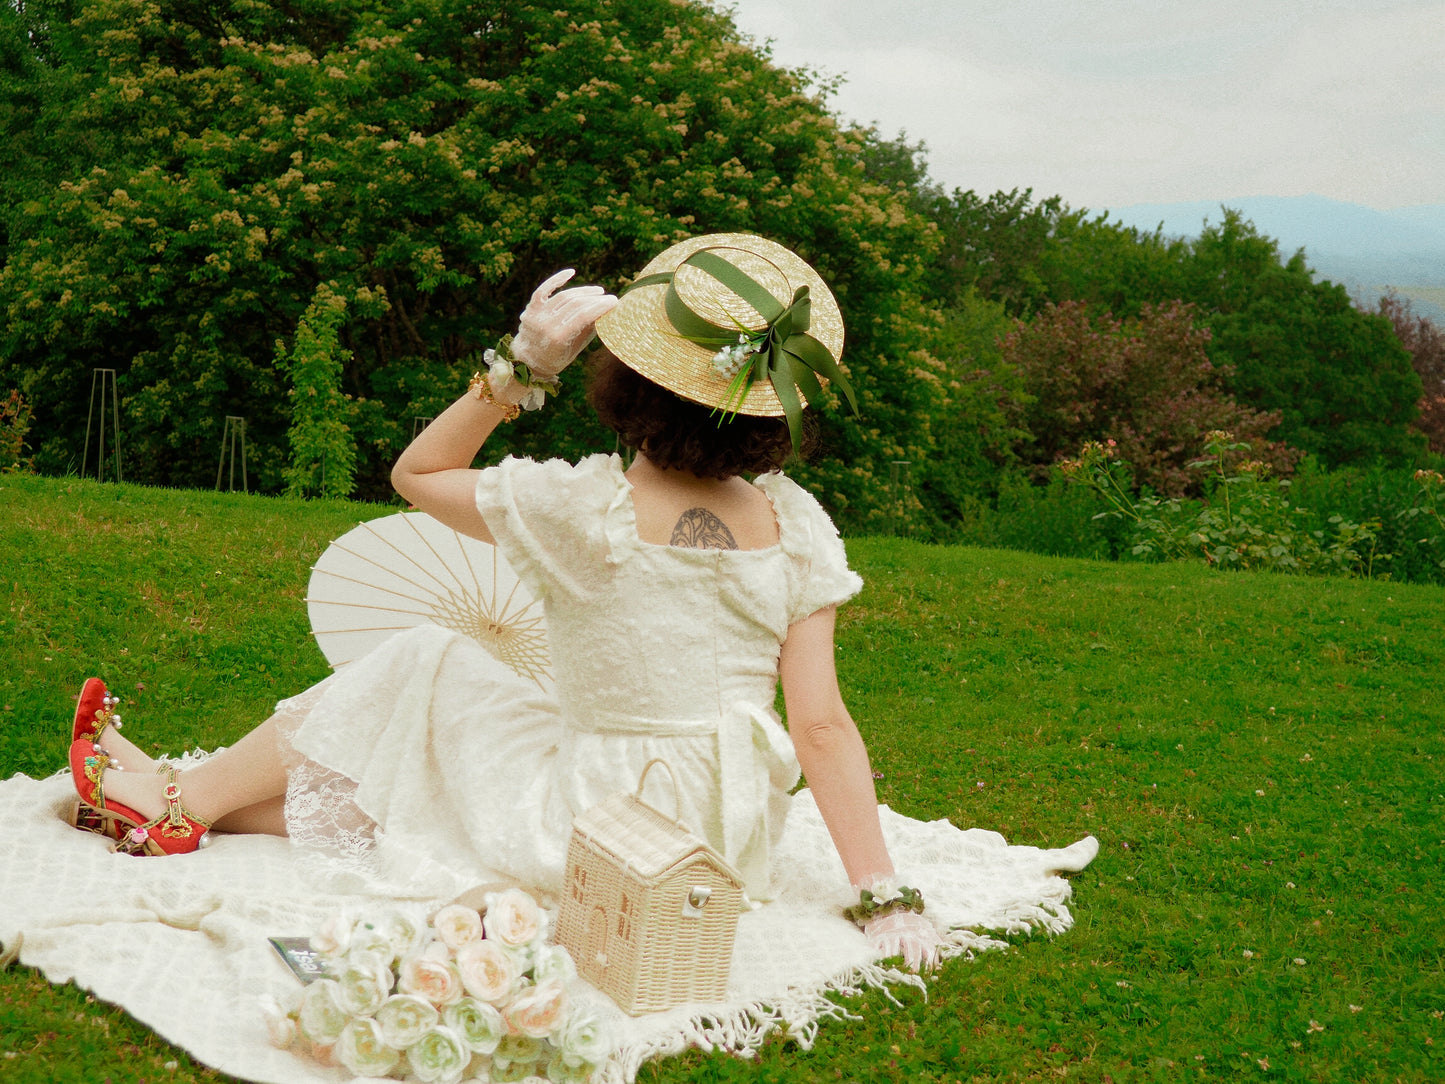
<point>180,943</point>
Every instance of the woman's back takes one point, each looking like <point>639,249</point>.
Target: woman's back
<point>657,627</point>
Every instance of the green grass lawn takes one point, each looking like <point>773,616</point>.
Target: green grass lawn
<point>1260,756</point>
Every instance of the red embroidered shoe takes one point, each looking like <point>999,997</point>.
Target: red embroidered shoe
<point>93,812</point>
<point>176,831</point>
<point>94,711</point>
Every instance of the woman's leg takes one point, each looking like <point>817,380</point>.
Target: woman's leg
<point>243,784</point>
<point>266,818</point>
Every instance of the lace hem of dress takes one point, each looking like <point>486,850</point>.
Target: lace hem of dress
<point>323,820</point>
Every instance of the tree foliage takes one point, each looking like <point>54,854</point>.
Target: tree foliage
<point>194,173</point>
<point>1424,340</point>
<point>1145,386</point>
<point>1338,378</point>
<point>323,453</point>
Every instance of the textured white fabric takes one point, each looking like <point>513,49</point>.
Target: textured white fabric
<point>181,942</point>
<point>429,768</point>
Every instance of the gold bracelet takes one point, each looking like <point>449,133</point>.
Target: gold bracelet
<point>481,387</point>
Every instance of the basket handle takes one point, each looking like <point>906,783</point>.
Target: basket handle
<point>676,793</point>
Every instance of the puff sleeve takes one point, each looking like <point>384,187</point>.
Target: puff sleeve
<point>818,572</point>
<point>548,520</point>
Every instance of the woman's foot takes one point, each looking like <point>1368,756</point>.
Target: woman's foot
<point>98,721</point>
<point>141,810</point>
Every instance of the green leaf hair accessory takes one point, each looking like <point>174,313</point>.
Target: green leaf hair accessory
<point>782,352</point>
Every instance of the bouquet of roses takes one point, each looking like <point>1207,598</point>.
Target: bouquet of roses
<point>468,996</point>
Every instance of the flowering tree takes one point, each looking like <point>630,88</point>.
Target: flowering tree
<point>179,180</point>
<point>1145,386</point>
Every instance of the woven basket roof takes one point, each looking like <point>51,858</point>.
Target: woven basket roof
<point>644,840</point>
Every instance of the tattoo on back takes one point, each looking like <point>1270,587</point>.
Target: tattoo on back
<point>697,528</point>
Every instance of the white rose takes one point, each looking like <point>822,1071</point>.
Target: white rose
<point>404,1019</point>
<point>480,1025</point>
<point>365,979</point>
<point>322,1015</point>
<point>280,1023</point>
<point>537,1012</point>
<point>437,950</point>
<point>334,936</point>
<point>363,1051</point>
<point>513,918</point>
<point>553,963</point>
<point>437,981</point>
<point>499,370</point>
<point>583,1038</point>
<point>487,972</point>
<point>564,1070</point>
<point>457,925</point>
<point>365,937</point>
<point>404,931</point>
<point>515,1058</point>
<point>439,1056</point>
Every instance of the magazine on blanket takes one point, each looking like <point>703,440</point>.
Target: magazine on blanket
<point>304,961</point>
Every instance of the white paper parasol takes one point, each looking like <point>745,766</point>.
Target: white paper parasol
<point>407,569</point>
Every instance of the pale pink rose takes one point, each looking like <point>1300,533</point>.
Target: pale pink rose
<point>434,980</point>
<point>437,950</point>
<point>487,972</point>
<point>457,925</point>
<point>537,1012</point>
<point>325,1053</point>
<point>334,936</point>
<point>513,918</point>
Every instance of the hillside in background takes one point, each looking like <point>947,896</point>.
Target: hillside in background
<point>1365,250</point>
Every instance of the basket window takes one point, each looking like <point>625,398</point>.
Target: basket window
<point>624,918</point>
<point>578,887</point>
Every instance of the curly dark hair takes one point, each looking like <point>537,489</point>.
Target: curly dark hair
<point>678,434</point>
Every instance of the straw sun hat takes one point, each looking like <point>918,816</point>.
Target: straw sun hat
<point>732,321</point>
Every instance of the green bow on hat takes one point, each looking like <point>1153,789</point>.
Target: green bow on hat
<point>782,352</point>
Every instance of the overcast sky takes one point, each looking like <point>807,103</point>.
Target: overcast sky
<point>1113,102</point>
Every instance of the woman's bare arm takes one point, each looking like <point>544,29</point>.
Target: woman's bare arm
<point>435,472</point>
<point>830,749</point>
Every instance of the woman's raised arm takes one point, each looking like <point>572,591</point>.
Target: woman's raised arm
<point>435,472</point>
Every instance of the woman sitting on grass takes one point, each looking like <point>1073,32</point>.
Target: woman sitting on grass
<point>677,594</point>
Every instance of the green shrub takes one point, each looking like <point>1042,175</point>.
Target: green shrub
<point>1250,520</point>
<point>1404,503</point>
<point>15,416</point>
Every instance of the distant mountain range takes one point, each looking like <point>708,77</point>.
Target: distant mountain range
<point>1365,250</point>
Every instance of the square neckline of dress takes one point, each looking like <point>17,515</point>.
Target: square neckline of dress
<point>627,490</point>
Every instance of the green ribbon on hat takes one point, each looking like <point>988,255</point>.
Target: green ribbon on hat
<point>783,352</point>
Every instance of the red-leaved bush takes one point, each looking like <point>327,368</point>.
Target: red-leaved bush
<point>1426,343</point>
<point>1146,384</point>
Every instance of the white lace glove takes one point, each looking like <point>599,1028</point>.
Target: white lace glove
<point>556,326</point>
<point>906,934</point>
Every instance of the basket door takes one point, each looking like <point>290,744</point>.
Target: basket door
<point>594,942</point>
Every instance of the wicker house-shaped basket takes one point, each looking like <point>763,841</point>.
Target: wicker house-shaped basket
<point>649,911</point>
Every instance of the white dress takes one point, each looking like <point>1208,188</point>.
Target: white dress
<point>429,767</point>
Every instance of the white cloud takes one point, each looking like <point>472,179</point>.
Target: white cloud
<point>1125,101</point>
